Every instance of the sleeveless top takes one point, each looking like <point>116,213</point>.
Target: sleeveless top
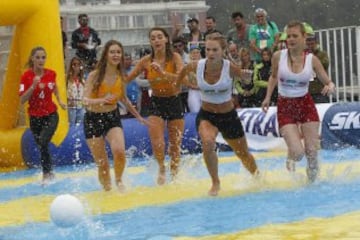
<point>156,81</point>
<point>114,89</point>
<point>292,84</point>
<point>218,92</point>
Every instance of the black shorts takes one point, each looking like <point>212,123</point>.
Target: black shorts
<point>229,123</point>
<point>168,108</point>
<point>98,124</point>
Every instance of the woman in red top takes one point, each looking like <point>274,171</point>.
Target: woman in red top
<point>36,87</point>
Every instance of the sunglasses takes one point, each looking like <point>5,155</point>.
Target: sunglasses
<point>40,57</point>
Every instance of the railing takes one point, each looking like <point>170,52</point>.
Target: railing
<point>343,47</point>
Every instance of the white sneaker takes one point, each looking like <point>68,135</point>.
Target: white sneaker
<point>290,165</point>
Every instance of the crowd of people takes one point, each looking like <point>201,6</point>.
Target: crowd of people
<point>208,73</point>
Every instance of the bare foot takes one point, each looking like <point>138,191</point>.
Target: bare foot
<point>214,190</point>
<point>290,165</point>
<point>161,178</point>
<point>107,187</point>
<point>121,187</point>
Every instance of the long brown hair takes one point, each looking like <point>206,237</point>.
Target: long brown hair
<point>101,65</point>
<point>70,71</point>
<point>33,51</point>
<point>168,50</point>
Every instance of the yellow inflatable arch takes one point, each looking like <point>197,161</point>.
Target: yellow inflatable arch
<point>37,23</point>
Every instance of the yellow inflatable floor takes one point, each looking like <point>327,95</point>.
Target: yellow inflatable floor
<point>32,204</point>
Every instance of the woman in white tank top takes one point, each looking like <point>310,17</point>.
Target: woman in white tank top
<point>217,114</point>
<point>297,115</point>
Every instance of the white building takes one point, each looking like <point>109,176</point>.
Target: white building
<point>130,21</point>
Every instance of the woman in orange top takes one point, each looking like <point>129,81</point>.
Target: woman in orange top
<point>103,89</point>
<point>166,110</point>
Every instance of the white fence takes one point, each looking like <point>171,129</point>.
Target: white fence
<point>343,46</point>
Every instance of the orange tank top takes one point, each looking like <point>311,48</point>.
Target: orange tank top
<point>116,89</point>
<point>156,81</point>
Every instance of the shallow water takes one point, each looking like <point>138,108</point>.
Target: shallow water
<point>242,204</point>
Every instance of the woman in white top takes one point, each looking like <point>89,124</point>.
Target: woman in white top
<point>214,76</point>
<point>292,70</point>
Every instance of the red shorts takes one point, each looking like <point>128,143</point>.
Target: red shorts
<point>296,110</point>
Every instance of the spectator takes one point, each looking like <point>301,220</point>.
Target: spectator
<point>194,99</point>
<point>233,54</point>
<point>262,72</point>
<point>245,84</point>
<point>316,86</point>
<point>263,34</point>
<point>63,35</point>
<point>133,92</point>
<point>210,24</point>
<point>85,40</point>
<point>194,37</point>
<point>75,90</point>
<point>179,47</point>
<point>36,87</point>
<point>240,33</point>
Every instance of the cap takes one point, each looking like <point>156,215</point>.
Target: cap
<point>192,20</point>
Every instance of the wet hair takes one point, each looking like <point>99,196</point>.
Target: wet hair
<point>33,51</point>
<point>237,14</point>
<point>101,65</point>
<point>168,51</point>
<point>70,70</point>
<point>298,24</point>
<point>219,38</point>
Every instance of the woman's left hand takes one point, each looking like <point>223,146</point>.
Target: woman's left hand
<point>328,89</point>
<point>62,105</point>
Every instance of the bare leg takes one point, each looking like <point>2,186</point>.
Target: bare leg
<point>292,136</point>
<point>311,141</point>
<point>97,148</point>
<point>208,135</point>
<point>115,138</point>
<point>156,132</point>
<point>241,150</point>
<point>175,129</point>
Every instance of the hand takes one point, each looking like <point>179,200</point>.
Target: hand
<point>62,105</point>
<point>265,105</point>
<point>156,67</point>
<point>328,89</point>
<point>109,99</point>
<point>36,81</point>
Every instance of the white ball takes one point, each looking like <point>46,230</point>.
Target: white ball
<point>66,211</point>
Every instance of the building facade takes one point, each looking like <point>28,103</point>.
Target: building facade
<point>129,21</point>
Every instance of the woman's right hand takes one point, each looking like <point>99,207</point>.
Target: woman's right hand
<point>36,81</point>
<point>265,105</point>
<point>109,99</point>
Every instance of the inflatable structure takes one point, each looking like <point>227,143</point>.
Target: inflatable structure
<point>36,23</point>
